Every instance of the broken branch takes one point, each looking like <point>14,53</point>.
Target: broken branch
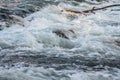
<point>72,12</point>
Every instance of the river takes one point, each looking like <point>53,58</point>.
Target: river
<point>36,52</point>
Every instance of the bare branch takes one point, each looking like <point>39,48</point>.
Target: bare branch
<point>72,12</point>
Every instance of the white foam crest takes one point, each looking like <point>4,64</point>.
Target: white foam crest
<point>82,6</point>
<point>89,35</point>
<point>37,31</point>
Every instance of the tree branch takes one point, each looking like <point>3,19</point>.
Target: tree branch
<point>72,12</point>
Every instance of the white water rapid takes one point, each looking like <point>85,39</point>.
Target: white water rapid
<point>35,52</point>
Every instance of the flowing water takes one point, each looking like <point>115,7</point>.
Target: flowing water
<point>36,52</point>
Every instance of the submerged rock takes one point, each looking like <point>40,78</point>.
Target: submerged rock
<point>8,17</point>
<point>117,42</point>
<point>60,34</point>
<point>67,34</point>
<point>18,9</point>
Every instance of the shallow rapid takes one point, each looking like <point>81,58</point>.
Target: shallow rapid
<point>90,49</point>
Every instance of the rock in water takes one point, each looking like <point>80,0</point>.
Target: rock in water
<point>117,42</point>
<point>19,9</point>
<point>17,18</point>
<point>60,34</point>
<point>67,34</point>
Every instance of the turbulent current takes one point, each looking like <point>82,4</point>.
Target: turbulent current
<point>88,50</point>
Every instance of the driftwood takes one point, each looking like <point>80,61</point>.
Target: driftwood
<point>72,12</point>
